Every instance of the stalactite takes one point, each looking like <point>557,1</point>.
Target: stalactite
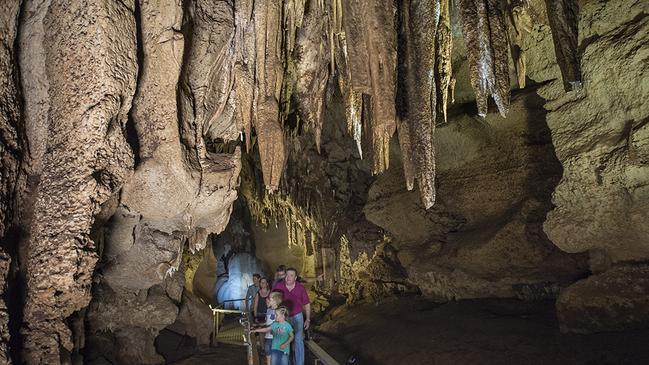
<point>370,64</point>
<point>518,23</point>
<point>486,41</point>
<point>312,57</point>
<point>443,67</point>
<point>244,68</point>
<point>419,22</point>
<point>352,100</point>
<point>562,15</point>
<point>269,78</point>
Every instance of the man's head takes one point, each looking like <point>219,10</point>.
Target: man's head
<point>275,299</point>
<point>291,276</point>
<point>280,273</point>
<point>255,279</point>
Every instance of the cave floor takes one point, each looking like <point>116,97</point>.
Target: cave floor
<point>414,331</point>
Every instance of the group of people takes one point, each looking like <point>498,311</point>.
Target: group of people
<point>282,309</point>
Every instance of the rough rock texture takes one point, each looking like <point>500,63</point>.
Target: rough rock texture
<point>563,17</point>
<point>484,236</point>
<point>418,106</point>
<point>194,319</point>
<point>11,150</point>
<point>519,23</point>
<point>5,262</point>
<point>601,134</point>
<point>370,60</point>
<point>312,55</point>
<point>183,186</point>
<point>617,299</point>
<point>208,72</point>
<point>485,35</point>
<point>601,138</point>
<point>91,63</point>
<point>124,323</point>
<point>372,278</point>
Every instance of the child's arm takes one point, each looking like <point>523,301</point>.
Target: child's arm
<point>261,330</point>
<point>287,342</point>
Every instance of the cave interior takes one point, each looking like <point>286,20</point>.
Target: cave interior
<point>455,182</point>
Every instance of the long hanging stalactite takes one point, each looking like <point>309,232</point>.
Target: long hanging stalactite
<point>486,41</point>
<point>562,15</point>
<point>419,21</point>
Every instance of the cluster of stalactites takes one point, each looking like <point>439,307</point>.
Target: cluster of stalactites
<point>290,50</point>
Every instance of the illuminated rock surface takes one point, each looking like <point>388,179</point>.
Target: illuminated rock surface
<point>365,149</point>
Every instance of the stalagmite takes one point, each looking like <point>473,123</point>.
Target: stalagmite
<point>562,15</point>
<point>486,40</point>
<point>419,21</point>
<point>443,67</point>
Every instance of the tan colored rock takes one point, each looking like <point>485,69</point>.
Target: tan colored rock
<point>601,136</point>
<point>194,319</point>
<point>602,140</point>
<point>484,236</point>
<point>181,190</point>
<point>615,300</point>
<point>5,264</point>
<point>12,148</point>
<point>91,66</point>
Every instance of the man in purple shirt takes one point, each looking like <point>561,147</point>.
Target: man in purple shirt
<point>299,306</point>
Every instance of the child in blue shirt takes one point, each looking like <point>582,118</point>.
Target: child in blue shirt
<point>282,337</point>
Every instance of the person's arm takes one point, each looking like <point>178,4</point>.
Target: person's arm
<point>291,336</point>
<point>261,330</point>
<point>307,315</point>
<point>254,306</point>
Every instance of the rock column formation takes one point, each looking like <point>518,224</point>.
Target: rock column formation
<point>11,151</point>
<point>182,188</point>
<point>91,64</point>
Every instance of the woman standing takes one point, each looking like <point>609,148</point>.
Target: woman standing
<point>259,306</point>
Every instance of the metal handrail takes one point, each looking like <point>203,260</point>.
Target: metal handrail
<point>253,358</point>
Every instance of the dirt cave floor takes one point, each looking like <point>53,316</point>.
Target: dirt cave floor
<point>417,332</point>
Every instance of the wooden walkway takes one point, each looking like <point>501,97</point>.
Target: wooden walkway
<point>232,332</point>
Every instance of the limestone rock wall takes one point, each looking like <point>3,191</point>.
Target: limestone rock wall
<point>91,64</point>
<point>601,136</point>
<point>484,236</point>
<point>12,147</point>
